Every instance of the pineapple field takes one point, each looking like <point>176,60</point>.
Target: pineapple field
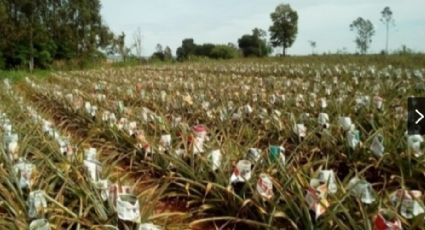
<point>215,145</point>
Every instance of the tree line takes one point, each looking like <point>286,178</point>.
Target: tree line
<point>249,45</point>
<point>35,33</point>
<point>282,34</point>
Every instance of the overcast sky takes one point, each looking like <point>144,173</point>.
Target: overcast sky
<point>327,22</point>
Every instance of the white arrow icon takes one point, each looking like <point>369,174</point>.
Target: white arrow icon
<point>421,116</point>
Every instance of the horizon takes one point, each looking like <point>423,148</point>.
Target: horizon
<point>331,32</point>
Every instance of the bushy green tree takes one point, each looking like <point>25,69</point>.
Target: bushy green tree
<point>254,44</point>
<point>285,27</point>
<point>187,49</point>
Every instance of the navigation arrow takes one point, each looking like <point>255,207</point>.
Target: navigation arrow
<point>416,115</point>
<point>420,118</point>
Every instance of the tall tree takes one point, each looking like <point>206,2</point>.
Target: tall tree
<point>168,54</point>
<point>137,37</point>
<point>121,48</point>
<point>285,27</point>
<point>260,35</point>
<point>313,46</point>
<point>387,19</point>
<point>158,48</point>
<point>365,31</point>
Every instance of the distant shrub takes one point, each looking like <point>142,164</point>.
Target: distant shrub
<point>189,50</point>
<point>224,52</point>
<point>404,51</point>
<point>158,56</point>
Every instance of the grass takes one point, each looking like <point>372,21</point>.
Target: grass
<point>18,75</point>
